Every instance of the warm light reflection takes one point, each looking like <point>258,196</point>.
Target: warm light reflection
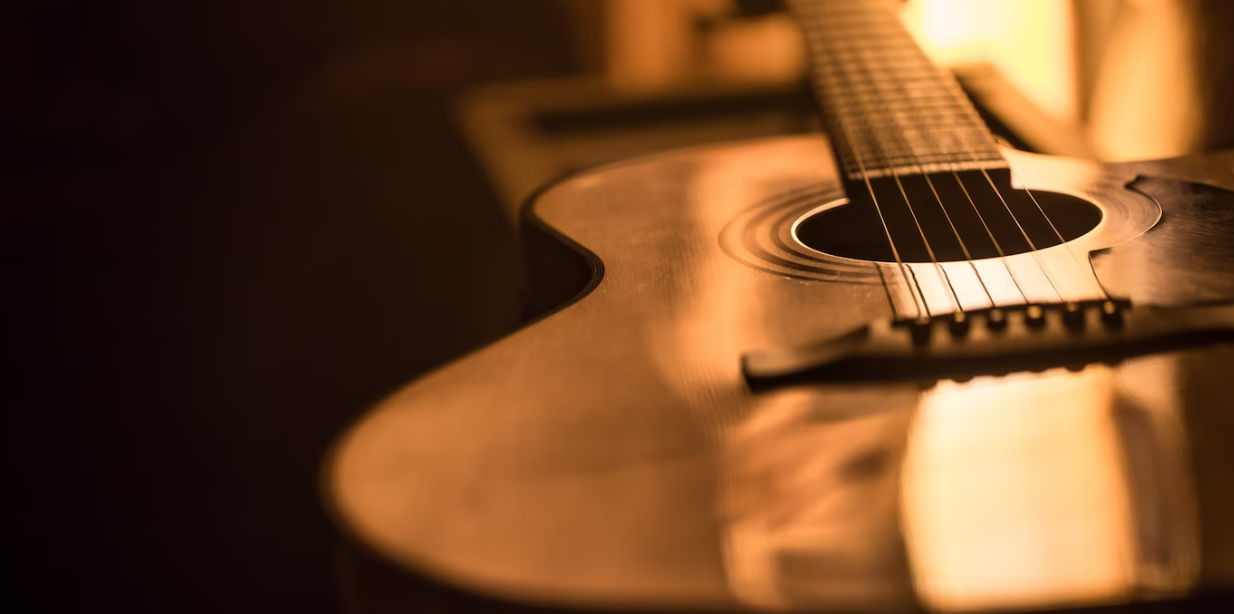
<point>1013,494</point>
<point>1145,102</point>
<point>1125,78</point>
<point>1017,493</point>
<point>1157,452</point>
<point>811,501</point>
<point>808,495</point>
<point>1029,41</point>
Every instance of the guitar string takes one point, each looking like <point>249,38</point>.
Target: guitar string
<point>1045,270</point>
<point>1031,245</point>
<point>956,95</point>
<point>943,275</point>
<point>882,155</point>
<point>959,239</point>
<point>919,303</point>
<point>962,98</point>
<point>917,161</point>
<point>1061,240</point>
<point>959,181</point>
<point>919,300</point>
<point>1085,272</point>
<point>950,84</point>
<point>999,248</point>
<point>951,167</point>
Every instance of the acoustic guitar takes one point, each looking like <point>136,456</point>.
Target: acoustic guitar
<point>895,368</point>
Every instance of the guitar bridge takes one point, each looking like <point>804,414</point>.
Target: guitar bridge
<point>996,341</point>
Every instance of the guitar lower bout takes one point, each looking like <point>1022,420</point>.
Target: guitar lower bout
<point>614,456</point>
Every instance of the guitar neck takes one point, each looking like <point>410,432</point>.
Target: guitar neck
<point>887,109</point>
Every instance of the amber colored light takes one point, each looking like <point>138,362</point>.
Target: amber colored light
<point>1013,495</point>
<point>1029,41</point>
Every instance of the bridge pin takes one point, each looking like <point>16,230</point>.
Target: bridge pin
<point>958,324</point>
<point>1034,316</point>
<point>1073,316</point>
<point>996,319</point>
<point>1111,314</point>
<point>921,329</point>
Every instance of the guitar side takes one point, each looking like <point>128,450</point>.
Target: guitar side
<point>611,455</point>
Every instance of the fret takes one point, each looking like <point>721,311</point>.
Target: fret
<point>887,42</point>
<point>858,63</point>
<point>864,15</point>
<point>897,65</point>
<point>931,142</point>
<point>894,99</point>
<point>912,149</point>
<point>866,104</point>
<point>924,96</point>
<point>905,49</point>
<point>876,57</point>
<point>866,29</point>
<point>926,133</point>
<point>927,137</point>
<point>885,38</point>
<point>904,127</point>
<point>928,106</point>
<point>917,78</point>
<point>884,104</point>
<point>912,87</point>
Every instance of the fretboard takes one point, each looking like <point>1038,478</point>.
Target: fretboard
<point>886,108</point>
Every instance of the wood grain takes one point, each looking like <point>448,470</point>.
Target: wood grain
<point>611,456</point>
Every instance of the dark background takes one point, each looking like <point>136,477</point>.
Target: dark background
<point>227,228</point>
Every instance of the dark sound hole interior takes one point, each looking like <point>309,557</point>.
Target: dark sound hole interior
<point>986,219</point>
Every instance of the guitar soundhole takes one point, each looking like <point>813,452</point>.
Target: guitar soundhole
<point>990,217</point>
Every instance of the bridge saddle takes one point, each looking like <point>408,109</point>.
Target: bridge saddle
<point>995,341</point>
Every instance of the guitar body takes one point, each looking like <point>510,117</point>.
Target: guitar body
<point>613,454</point>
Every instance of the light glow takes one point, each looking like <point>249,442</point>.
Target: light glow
<point>1030,42</point>
<point>1014,496</point>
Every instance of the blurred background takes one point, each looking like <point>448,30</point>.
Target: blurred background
<point>228,227</point>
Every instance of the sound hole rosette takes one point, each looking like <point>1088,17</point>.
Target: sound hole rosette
<point>764,235</point>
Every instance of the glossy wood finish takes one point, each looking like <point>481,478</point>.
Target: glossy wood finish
<point>888,108</point>
<point>611,455</point>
